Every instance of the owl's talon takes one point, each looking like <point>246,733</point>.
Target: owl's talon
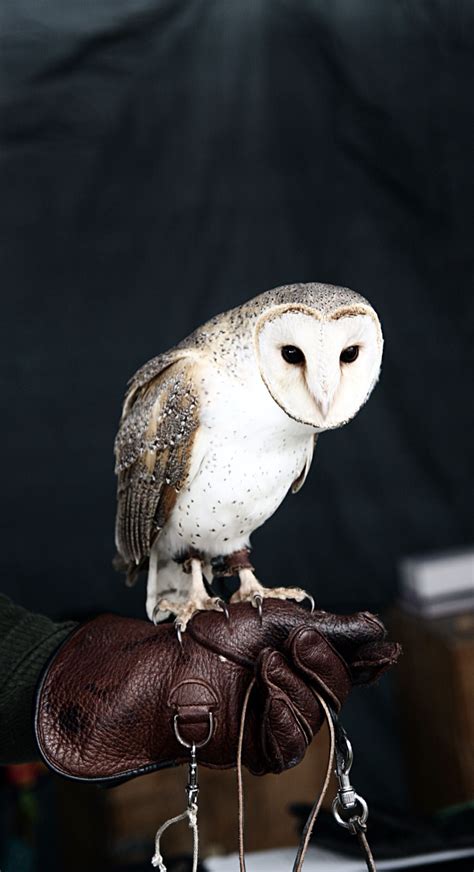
<point>257,602</point>
<point>179,635</point>
<point>312,602</point>
<point>223,605</point>
<point>154,615</point>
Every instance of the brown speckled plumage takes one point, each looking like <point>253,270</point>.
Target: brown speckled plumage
<point>152,450</point>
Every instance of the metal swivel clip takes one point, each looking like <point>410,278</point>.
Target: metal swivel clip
<point>192,787</point>
<point>349,809</point>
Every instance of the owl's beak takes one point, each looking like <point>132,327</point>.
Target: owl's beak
<point>322,399</point>
<point>321,387</point>
<point>323,404</point>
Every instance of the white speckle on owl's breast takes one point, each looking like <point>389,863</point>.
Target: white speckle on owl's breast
<point>246,457</point>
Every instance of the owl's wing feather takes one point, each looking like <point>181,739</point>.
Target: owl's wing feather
<point>299,482</point>
<point>153,450</point>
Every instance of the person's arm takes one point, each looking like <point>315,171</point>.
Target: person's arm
<point>27,641</point>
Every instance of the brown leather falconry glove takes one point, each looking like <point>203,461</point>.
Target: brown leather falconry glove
<point>120,693</point>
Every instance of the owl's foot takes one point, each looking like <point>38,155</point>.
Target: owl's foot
<point>198,600</point>
<point>251,590</point>
<point>183,612</point>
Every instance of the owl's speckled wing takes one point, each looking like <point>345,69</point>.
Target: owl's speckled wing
<point>153,451</point>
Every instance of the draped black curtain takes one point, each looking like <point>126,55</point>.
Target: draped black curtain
<point>164,161</point>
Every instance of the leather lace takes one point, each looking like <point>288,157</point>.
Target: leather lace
<point>309,825</point>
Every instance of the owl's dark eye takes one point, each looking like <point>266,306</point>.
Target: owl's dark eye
<point>349,354</point>
<point>292,354</point>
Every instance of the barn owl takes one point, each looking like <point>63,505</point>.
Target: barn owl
<point>217,430</point>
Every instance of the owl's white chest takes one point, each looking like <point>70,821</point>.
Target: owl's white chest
<point>246,456</point>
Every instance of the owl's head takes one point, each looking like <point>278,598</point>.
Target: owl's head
<point>319,350</point>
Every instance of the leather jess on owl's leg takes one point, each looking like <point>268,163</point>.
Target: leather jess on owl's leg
<point>227,565</point>
<point>250,590</point>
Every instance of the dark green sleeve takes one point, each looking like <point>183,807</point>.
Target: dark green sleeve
<point>26,642</point>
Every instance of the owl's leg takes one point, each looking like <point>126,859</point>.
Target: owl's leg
<point>251,590</point>
<point>198,599</point>
<point>152,586</point>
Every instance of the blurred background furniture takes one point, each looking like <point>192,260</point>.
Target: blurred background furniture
<point>435,624</point>
<point>436,683</point>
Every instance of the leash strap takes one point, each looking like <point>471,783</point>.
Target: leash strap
<point>240,786</point>
<point>349,809</point>
<point>309,825</point>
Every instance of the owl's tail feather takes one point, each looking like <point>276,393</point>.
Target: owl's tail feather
<point>131,570</point>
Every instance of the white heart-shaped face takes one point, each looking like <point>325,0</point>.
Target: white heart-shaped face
<point>320,370</point>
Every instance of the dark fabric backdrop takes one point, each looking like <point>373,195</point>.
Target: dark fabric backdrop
<point>164,161</point>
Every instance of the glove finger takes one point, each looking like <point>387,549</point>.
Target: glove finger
<point>279,678</point>
<point>318,660</point>
<point>291,713</point>
<point>348,632</point>
<point>372,660</point>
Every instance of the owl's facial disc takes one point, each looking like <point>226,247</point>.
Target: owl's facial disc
<point>320,370</point>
